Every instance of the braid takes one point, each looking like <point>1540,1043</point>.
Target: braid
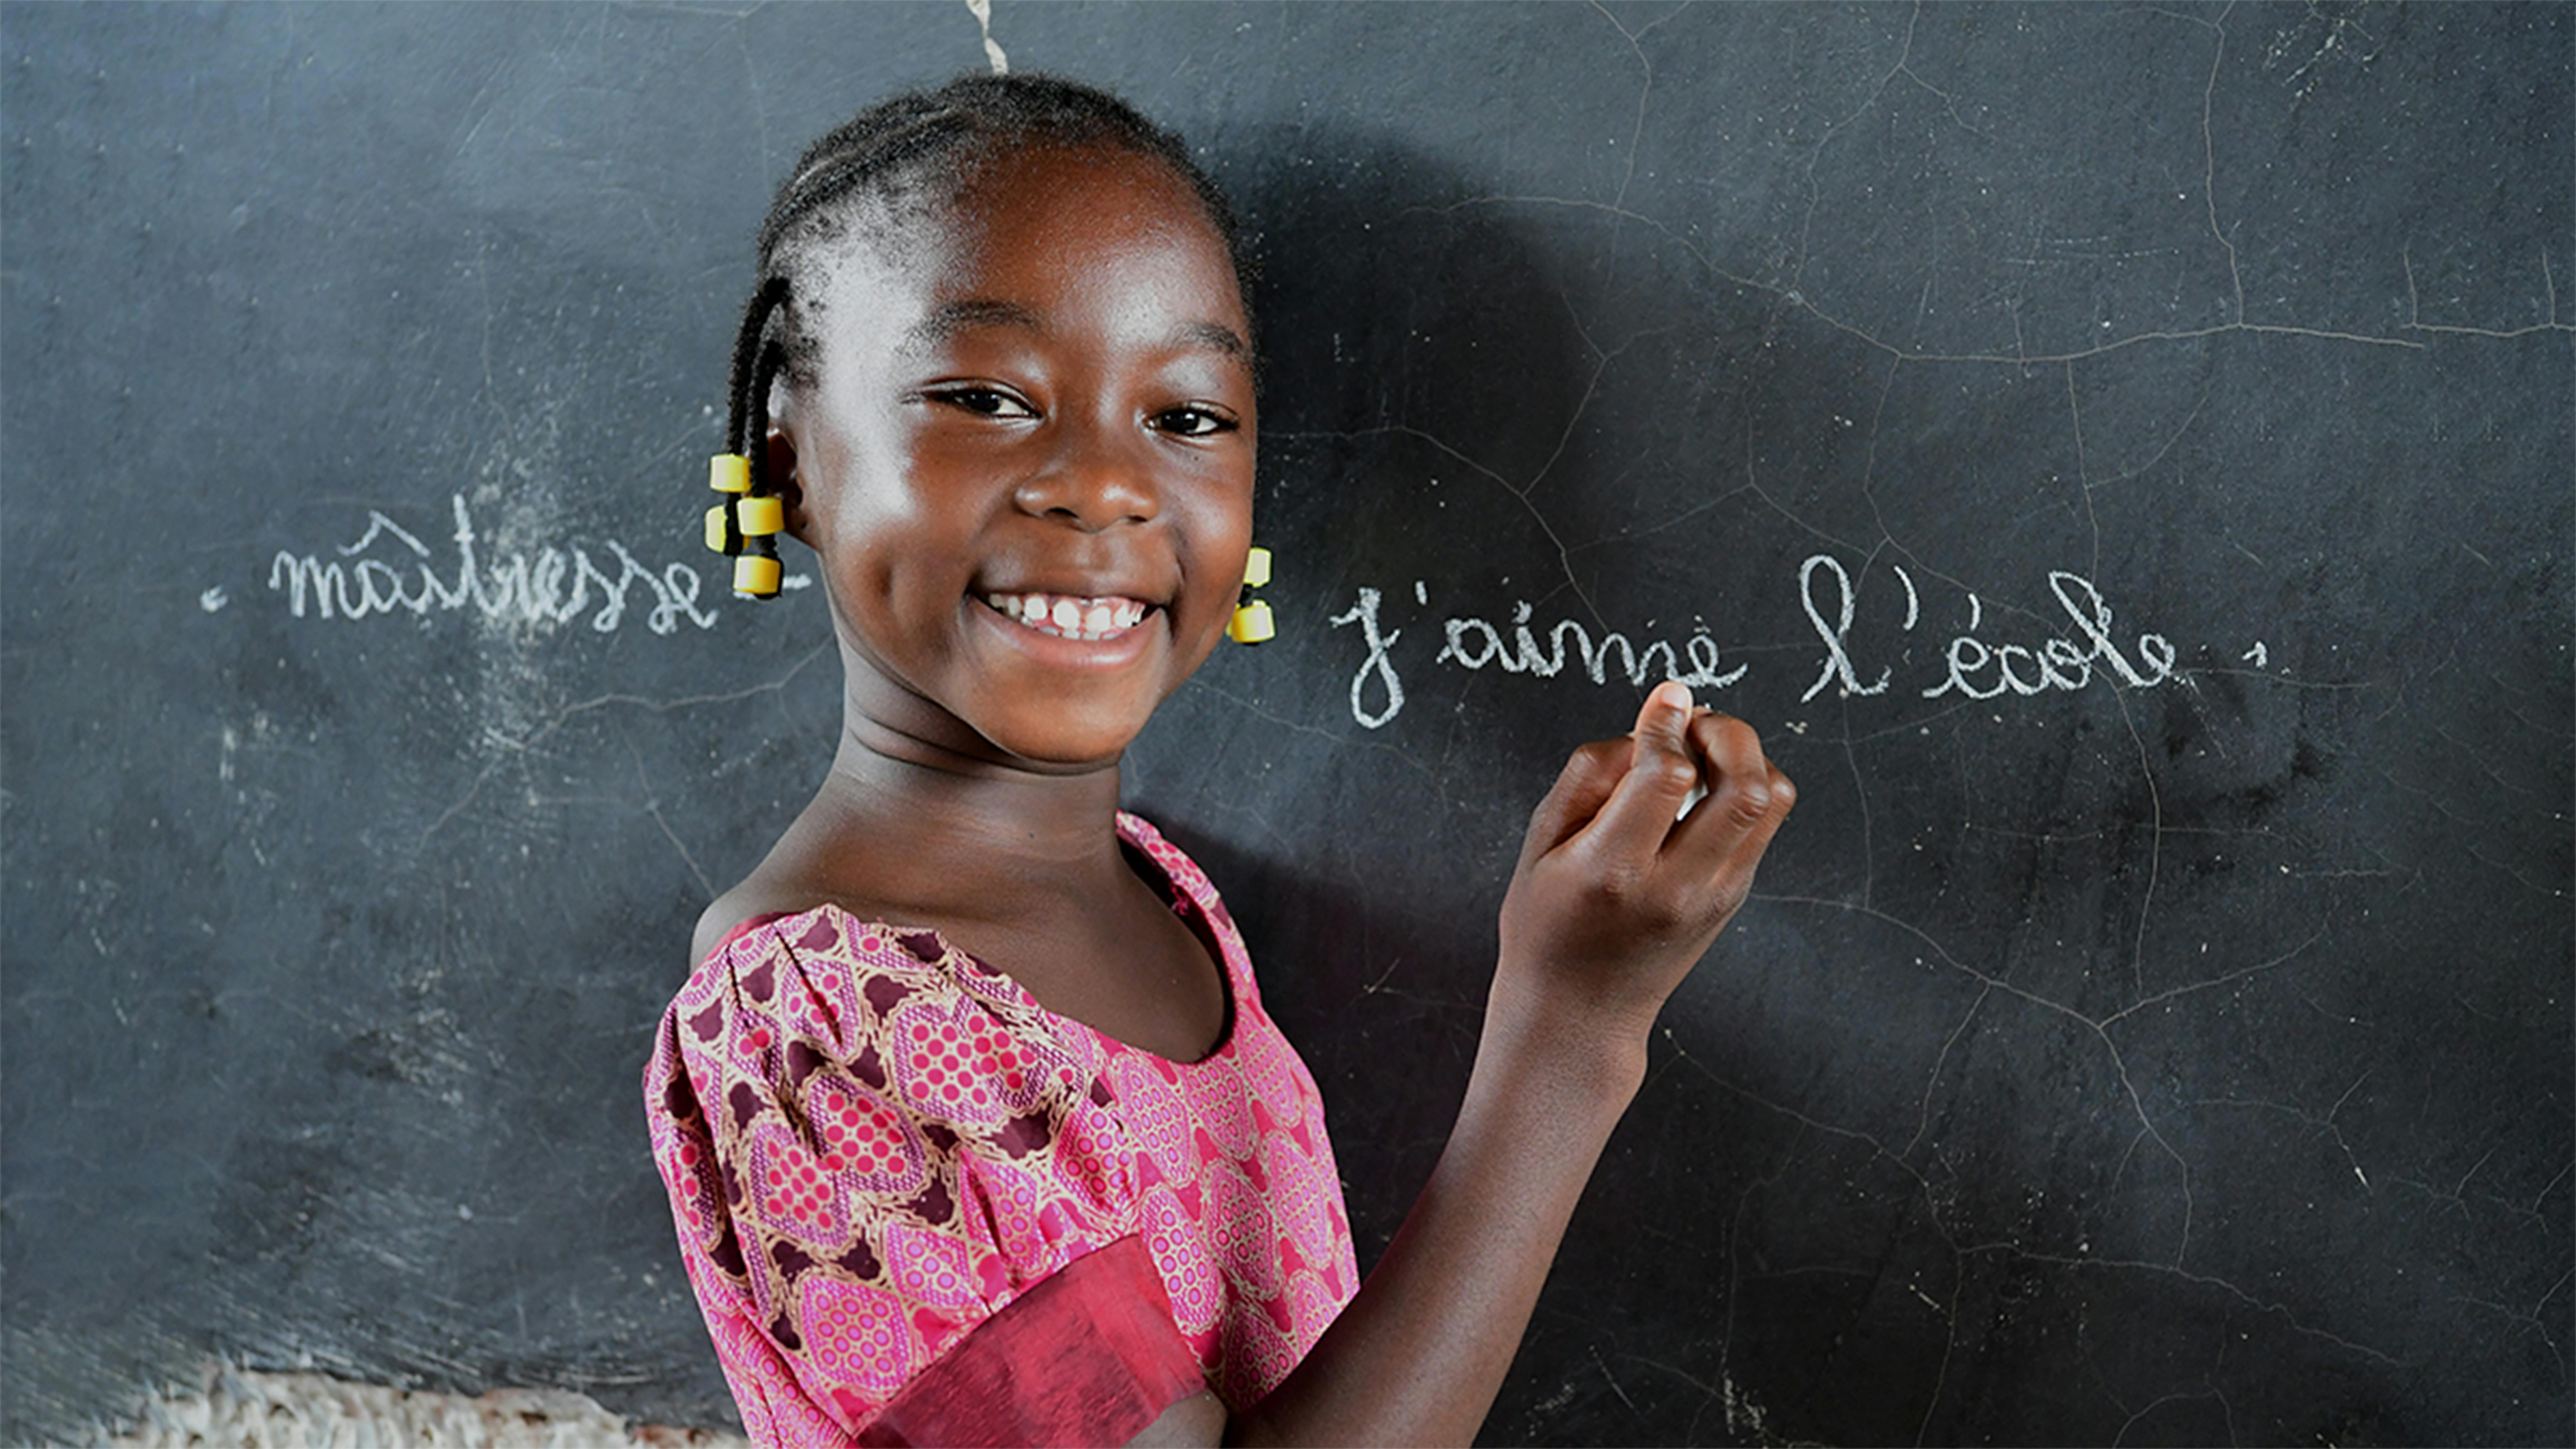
<point>746,350</point>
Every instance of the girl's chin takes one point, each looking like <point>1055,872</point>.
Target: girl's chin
<point>1060,755</point>
<point>1064,736</point>
<point>1053,722</point>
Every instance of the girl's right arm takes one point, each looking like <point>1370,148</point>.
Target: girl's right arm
<point>1613,902</point>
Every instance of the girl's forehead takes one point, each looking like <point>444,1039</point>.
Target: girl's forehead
<point>1032,222</point>
<point>1051,203</point>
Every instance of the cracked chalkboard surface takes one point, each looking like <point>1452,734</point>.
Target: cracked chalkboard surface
<point>2119,456</point>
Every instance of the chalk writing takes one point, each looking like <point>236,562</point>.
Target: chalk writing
<point>1972,665</point>
<point>1391,689</point>
<point>1838,663</point>
<point>1475,643</point>
<point>2058,663</point>
<point>551,586</point>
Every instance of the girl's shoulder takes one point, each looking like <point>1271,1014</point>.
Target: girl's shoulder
<point>809,1036</point>
<point>754,903</point>
<point>769,955</point>
<point>1182,877</point>
<point>825,968</point>
<point>770,893</point>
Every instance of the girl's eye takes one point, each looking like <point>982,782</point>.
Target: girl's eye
<point>1190,422</point>
<point>989,402</point>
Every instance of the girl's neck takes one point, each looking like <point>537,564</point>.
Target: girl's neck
<point>920,812</point>
<point>924,822</point>
<point>881,772</point>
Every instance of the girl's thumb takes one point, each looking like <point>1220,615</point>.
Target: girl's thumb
<point>1666,716</point>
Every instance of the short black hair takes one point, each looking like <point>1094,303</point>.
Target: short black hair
<point>896,152</point>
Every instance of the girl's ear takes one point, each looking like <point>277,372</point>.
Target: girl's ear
<point>788,484</point>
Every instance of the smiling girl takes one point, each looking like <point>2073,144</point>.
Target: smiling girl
<point>975,1128</point>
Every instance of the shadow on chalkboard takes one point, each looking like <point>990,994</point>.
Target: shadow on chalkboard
<point>1528,409</point>
<point>1405,333</point>
<point>1431,429</point>
<point>1391,297</point>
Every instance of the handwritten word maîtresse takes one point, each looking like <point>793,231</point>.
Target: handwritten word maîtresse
<point>1973,668</point>
<point>552,586</point>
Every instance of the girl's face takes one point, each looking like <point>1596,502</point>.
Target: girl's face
<point>1026,454</point>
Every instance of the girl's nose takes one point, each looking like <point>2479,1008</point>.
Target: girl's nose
<point>1096,480</point>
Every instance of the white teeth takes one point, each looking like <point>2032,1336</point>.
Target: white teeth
<point>1071,618</point>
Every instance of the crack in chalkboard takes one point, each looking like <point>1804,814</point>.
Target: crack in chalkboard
<point>1815,156</point>
<point>2209,152</point>
<point>1932,1080</point>
<point>507,747</point>
<point>2084,474</point>
<point>2155,842</point>
<point>653,807</point>
<point>1342,738</point>
<point>2415,308</point>
<point>2099,1027</point>
<point>1645,91</point>
<point>1791,291</point>
<point>2530,1318</point>
<point>1518,492</point>
<point>2325,1124</point>
<point>2157,1403</point>
<point>1959,1251</point>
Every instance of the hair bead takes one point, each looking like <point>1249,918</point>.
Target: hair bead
<point>1251,624</point>
<point>729,473</point>
<point>760,515</point>
<point>756,575</point>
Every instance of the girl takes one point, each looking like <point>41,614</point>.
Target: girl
<point>975,1128</point>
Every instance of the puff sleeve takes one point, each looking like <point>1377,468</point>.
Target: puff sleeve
<point>903,1207</point>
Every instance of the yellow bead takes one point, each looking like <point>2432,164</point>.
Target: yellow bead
<point>729,473</point>
<point>761,516</point>
<point>1252,624</point>
<point>1256,568</point>
<point>719,528</point>
<point>755,576</point>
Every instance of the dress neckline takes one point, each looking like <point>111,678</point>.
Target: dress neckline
<point>1193,901</point>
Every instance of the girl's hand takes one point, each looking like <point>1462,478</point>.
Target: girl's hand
<point>1614,900</point>
<point>1612,904</point>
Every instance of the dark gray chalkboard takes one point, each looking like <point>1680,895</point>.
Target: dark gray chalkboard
<point>2126,452</point>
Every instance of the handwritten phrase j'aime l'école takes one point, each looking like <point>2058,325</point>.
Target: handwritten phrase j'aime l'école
<point>1972,665</point>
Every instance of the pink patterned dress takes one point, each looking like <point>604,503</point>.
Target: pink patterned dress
<point>916,1206</point>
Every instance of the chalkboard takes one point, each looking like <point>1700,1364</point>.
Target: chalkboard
<point>2118,456</point>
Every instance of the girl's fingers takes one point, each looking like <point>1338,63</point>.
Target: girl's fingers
<point>1749,849</point>
<point>1662,767</point>
<point>1747,798</point>
<point>1621,796</point>
<point>1581,787</point>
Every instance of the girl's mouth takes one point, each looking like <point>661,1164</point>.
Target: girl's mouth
<point>1068,617</point>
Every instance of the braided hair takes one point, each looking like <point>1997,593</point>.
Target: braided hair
<point>897,154</point>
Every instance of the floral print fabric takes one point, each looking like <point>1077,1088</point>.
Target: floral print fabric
<point>874,1143</point>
